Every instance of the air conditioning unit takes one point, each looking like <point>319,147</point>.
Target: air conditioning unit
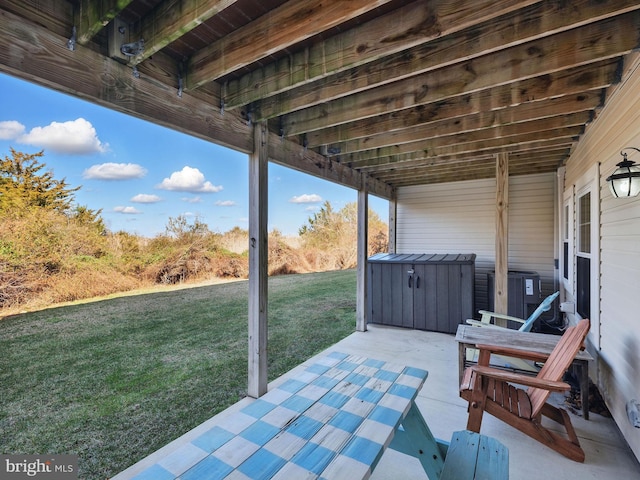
<point>523,294</point>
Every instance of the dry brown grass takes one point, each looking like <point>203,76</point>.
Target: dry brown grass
<point>86,283</point>
<point>285,259</point>
<point>47,260</point>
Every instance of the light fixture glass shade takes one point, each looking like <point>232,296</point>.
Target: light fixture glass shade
<point>625,181</point>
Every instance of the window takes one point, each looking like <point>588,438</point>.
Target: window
<point>567,231</point>
<point>583,256</point>
<point>579,244</point>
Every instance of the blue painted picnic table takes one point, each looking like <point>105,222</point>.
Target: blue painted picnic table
<point>333,420</point>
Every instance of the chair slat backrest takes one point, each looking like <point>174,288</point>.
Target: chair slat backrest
<point>558,362</point>
<point>545,306</point>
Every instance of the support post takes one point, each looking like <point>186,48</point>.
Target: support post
<point>258,262</point>
<point>393,224</point>
<point>363,242</point>
<point>501,278</point>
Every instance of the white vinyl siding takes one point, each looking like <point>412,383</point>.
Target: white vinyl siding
<point>460,218</point>
<point>616,333</point>
<point>531,226</point>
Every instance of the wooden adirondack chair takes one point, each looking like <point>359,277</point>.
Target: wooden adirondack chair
<point>490,390</point>
<point>488,319</point>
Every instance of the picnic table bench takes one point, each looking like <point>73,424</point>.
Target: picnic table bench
<point>469,336</point>
<point>332,421</point>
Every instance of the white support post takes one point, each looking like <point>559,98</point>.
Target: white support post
<point>363,242</point>
<point>258,262</point>
<point>501,290</point>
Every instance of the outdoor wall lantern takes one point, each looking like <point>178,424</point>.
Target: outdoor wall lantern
<point>625,181</point>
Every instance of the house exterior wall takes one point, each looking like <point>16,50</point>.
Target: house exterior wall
<point>615,339</point>
<point>460,218</point>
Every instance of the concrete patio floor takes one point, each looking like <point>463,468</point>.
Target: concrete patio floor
<point>607,455</point>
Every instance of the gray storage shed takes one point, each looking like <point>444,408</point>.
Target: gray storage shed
<point>424,291</point>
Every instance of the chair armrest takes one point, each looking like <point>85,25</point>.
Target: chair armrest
<point>514,352</point>
<point>507,376</point>
<point>478,323</point>
<point>500,315</point>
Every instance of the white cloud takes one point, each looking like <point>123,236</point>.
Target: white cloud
<point>77,137</point>
<point>312,208</point>
<point>188,180</point>
<point>114,171</point>
<point>196,199</point>
<point>145,198</point>
<point>226,203</point>
<point>127,210</point>
<point>11,129</point>
<point>306,198</point>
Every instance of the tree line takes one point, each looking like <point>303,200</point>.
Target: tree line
<point>53,250</point>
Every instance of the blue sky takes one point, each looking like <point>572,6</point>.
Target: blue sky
<point>140,174</point>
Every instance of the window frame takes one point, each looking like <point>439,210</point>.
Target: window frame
<point>590,183</point>
<point>567,241</point>
<point>583,252</point>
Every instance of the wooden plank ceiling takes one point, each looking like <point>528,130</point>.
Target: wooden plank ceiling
<point>398,92</point>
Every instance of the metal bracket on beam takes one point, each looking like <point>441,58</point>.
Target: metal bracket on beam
<point>180,82</point>
<point>121,45</point>
<point>132,49</point>
<point>249,114</point>
<point>71,43</point>
<point>223,95</point>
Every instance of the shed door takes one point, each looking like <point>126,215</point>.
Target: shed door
<point>424,297</point>
<point>391,294</point>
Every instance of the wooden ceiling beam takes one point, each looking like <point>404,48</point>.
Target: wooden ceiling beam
<point>36,55</point>
<point>496,145</point>
<point>542,155</point>
<point>40,56</point>
<point>413,96</point>
<point>305,160</point>
<point>550,151</point>
<point>446,160</point>
<point>452,170</point>
<point>514,115</point>
<point>56,16</point>
<point>407,26</point>
<point>278,29</point>
<point>436,141</point>
<point>438,165</point>
<point>528,24</point>
<point>577,81</point>
<point>600,40</point>
<point>489,147</point>
<point>93,16</point>
<point>481,171</point>
<point>485,169</point>
<point>170,20</point>
<point>470,167</point>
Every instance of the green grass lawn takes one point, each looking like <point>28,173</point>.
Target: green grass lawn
<point>114,380</point>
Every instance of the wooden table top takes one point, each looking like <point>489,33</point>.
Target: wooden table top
<point>537,342</point>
